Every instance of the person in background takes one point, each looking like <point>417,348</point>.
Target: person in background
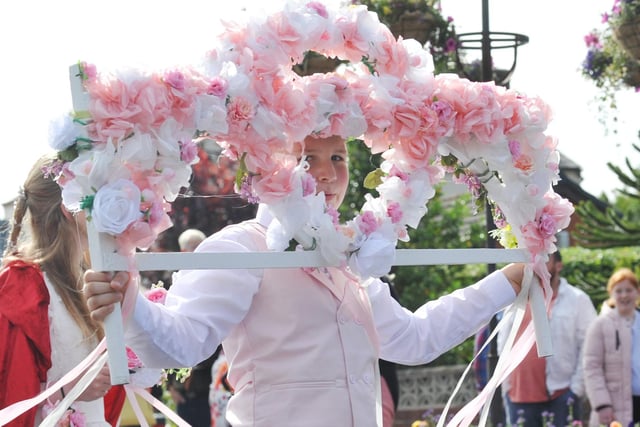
<point>544,387</point>
<point>190,239</point>
<point>302,343</point>
<point>45,327</point>
<point>612,355</point>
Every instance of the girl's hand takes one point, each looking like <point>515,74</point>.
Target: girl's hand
<point>102,290</point>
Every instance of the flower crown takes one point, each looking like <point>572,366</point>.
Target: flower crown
<point>129,155</point>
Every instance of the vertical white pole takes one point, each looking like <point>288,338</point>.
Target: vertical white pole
<point>101,246</point>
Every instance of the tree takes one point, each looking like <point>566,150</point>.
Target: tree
<point>617,225</point>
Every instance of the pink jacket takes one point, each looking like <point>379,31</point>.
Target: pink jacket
<point>607,366</point>
<point>336,377</point>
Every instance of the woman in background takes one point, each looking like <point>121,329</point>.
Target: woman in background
<point>612,355</point>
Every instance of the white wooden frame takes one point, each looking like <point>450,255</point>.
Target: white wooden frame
<point>102,249</point>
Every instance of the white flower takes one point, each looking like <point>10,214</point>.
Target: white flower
<point>115,206</point>
<point>375,256</point>
<point>138,151</point>
<point>211,115</point>
<point>63,132</point>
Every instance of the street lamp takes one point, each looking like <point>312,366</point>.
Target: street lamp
<point>486,41</point>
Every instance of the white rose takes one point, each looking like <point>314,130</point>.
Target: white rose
<point>63,132</point>
<point>375,256</point>
<point>115,206</point>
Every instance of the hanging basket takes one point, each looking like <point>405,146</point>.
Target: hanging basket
<point>414,25</point>
<point>632,76</point>
<point>628,35</point>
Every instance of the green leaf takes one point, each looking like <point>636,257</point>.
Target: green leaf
<point>86,203</point>
<point>373,179</point>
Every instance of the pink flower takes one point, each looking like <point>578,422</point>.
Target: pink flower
<point>133,362</point>
<point>275,186</point>
<point>156,294</point>
<point>217,87</point>
<point>394,211</point>
<point>77,419</point>
<point>539,234</point>
<point>592,40</point>
<point>334,214</point>
<point>70,418</point>
<point>239,110</point>
<point>524,163</point>
<point>175,79</point>
<point>367,222</point>
<point>395,171</point>
<point>89,71</point>
<point>188,151</point>
<point>318,8</point>
<point>514,148</point>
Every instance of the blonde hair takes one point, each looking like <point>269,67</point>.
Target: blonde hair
<point>617,277</point>
<point>49,241</point>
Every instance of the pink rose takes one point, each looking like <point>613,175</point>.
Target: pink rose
<point>239,110</point>
<point>175,79</point>
<point>275,186</point>
<point>156,294</point>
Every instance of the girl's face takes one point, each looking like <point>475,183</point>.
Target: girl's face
<point>625,296</point>
<point>328,164</point>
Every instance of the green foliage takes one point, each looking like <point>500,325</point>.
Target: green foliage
<point>589,269</point>
<point>617,225</point>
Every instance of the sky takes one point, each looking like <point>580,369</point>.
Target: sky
<point>40,39</point>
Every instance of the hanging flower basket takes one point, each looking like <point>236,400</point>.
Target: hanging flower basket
<point>416,25</point>
<point>632,76</point>
<point>628,35</point>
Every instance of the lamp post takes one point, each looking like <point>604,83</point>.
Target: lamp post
<point>486,41</point>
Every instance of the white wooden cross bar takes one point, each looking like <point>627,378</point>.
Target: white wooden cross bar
<point>234,260</point>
